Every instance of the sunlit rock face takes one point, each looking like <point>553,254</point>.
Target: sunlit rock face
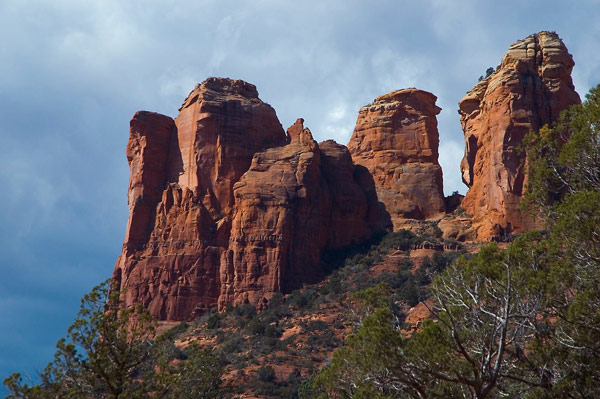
<point>529,89</point>
<point>226,207</point>
<point>396,139</point>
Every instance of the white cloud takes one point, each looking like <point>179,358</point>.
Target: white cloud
<point>451,153</point>
<point>338,124</point>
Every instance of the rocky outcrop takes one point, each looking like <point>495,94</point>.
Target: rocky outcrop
<point>181,194</point>
<point>396,140</point>
<point>225,207</point>
<point>150,134</point>
<point>294,202</point>
<point>529,89</point>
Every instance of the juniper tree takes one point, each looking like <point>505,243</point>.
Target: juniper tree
<point>111,352</point>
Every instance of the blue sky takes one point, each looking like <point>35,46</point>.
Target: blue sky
<point>72,73</point>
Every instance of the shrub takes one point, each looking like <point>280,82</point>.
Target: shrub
<point>305,299</point>
<point>214,321</point>
<point>257,327</point>
<point>272,331</point>
<point>401,240</point>
<point>246,310</point>
<point>235,344</point>
<point>315,325</point>
<point>266,374</point>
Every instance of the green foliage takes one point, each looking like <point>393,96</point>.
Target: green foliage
<point>234,344</point>
<point>308,390</point>
<point>213,321</point>
<point>109,353</point>
<point>565,159</point>
<point>272,331</point>
<point>304,299</point>
<point>523,322</point>
<point>315,325</point>
<point>564,188</point>
<point>104,351</point>
<point>18,389</point>
<point>245,311</point>
<point>488,73</point>
<point>374,297</point>
<point>486,310</point>
<point>371,363</point>
<point>257,326</point>
<point>439,261</point>
<point>199,377</point>
<point>174,332</point>
<point>266,373</point>
<point>401,239</point>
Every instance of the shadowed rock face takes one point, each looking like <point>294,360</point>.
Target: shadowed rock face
<point>225,207</point>
<point>529,89</point>
<point>294,202</point>
<point>396,139</point>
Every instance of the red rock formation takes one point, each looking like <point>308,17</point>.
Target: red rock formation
<point>225,207</point>
<point>396,139</point>
<point>529,89</point>
<point>150,134</point>
<point>415,317</point>
<point>181,194</point>
<point>295,202</point>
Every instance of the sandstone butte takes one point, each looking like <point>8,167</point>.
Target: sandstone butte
<point>529,89</point>
<point>396,139</point>
<point>226,207</point>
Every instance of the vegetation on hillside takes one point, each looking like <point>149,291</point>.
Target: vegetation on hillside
<point>523,322</point>
<point>269,353</point>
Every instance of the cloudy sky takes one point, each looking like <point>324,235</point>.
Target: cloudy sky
<point>72,73</point>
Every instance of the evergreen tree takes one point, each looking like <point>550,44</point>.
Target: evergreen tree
<point>110,352</point>
<point>564,165</point>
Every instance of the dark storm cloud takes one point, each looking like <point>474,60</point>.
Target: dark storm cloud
<point>73,73</point>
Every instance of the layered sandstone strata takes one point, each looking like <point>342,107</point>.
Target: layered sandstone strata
<point>396,139</point>
<point>226,207</point>
<point>529,89</point>
<point>294,202</point>
<point>181,194</point>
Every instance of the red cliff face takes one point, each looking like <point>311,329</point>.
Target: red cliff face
<point>150,134</point>
<point>181,194</point>
<point>294,202</point>
<point>396,139</point>
<point>225,207</point>
<point>530,88</point>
